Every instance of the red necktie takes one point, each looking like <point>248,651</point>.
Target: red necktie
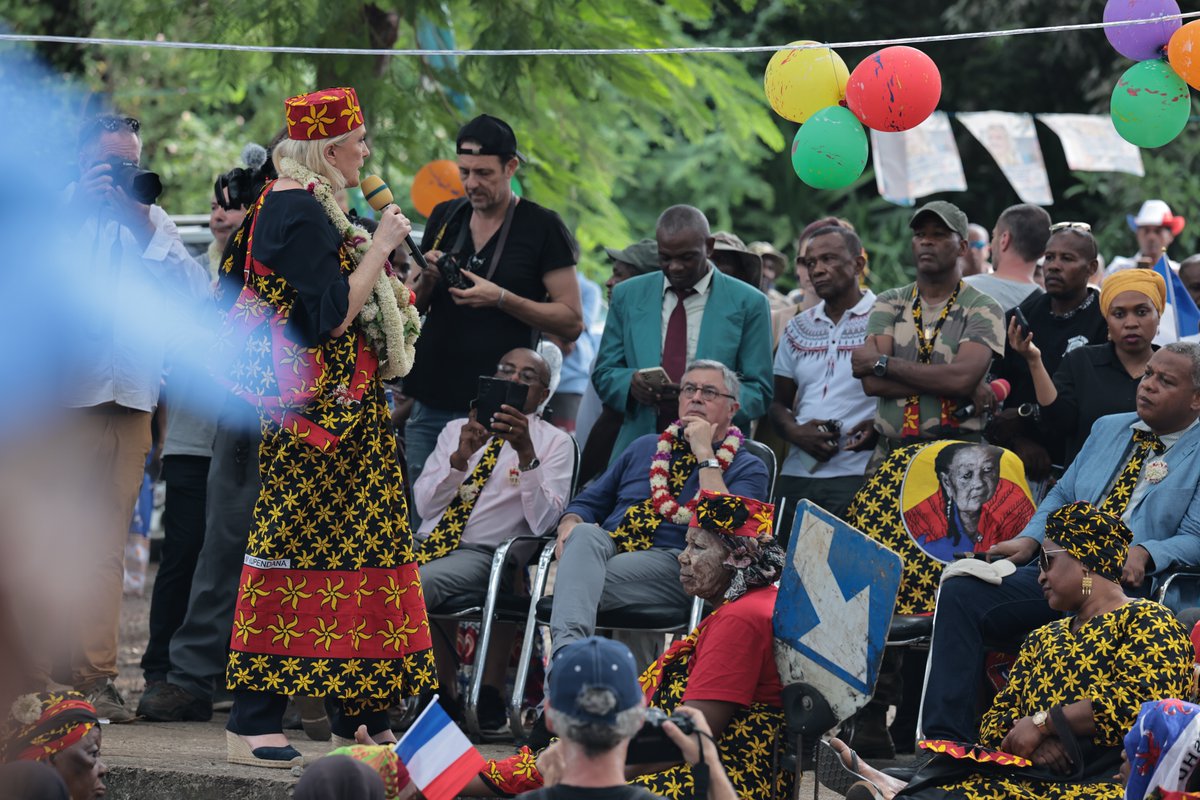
<point>674,353</point>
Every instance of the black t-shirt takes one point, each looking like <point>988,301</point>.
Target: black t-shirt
<point>562,791</point>
<point>1055,337</point>
<point>1091,383</point>
<point>458,344</point>
<point>295,238</point>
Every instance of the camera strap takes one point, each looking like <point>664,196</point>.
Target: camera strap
<point>465,229</point>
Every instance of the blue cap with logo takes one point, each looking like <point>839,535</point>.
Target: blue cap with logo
<point>594,663</point>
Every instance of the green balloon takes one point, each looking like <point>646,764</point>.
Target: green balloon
<point>830,149</point>
<point>1150,104</point>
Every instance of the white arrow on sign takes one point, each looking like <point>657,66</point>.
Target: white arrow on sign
<point>835,616</point>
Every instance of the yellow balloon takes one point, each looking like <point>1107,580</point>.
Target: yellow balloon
<point>800,83</point>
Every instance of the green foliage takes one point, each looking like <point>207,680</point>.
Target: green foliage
<point>611,140</point>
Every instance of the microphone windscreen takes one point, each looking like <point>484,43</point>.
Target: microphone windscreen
<point>1001,388</point>
<point>376,192</point>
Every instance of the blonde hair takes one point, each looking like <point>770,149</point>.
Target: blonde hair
<point>311,155</point>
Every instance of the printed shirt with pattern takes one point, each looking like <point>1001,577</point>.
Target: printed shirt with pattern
<point>814,353</point>
<point>329,600</point>
<point>975,317</point>
<point>1118,660</point>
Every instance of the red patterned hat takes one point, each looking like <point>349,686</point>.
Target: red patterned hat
<point>41,725</point>
<point>732,514</point>
<point>322,115</point>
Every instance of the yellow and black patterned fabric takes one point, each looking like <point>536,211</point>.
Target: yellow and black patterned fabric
<point>906,488</point>
<point>1118,660</point>
<point>1144,443</point>
<point>747,745</point>
<point>636,531</point>
<point>1097,539</point>
<point>44,724</point>
<point>446,535</point>
<point>329,600</point>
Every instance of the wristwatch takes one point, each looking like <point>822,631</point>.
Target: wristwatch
<point>880,368</point>
<point>1040,718</point>
<point>531,465</point>
<point>710,463</point>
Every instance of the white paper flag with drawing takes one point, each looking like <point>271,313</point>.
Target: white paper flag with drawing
<point>1091,143</point>
<point>1012,141</point>
<point>917,162</point>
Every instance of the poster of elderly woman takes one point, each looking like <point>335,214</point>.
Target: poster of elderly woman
<point>959,497</point>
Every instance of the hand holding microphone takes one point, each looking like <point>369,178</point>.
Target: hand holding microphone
<point>377,193</point>
<point>1000,388</point>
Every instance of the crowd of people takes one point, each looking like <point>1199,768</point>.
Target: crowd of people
<point>365,432</point>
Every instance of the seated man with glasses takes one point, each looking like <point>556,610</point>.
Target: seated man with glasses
<point>478,489</point>
<point>620,538</point>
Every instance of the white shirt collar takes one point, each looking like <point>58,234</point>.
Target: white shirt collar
<point>863,306</point>
<point>701,286</point>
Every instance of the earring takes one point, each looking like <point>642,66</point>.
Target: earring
<point>1086,587</point>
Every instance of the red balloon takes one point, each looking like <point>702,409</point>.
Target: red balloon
<point>895,89</point>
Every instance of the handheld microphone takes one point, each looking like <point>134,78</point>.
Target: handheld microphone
<point>379,196</point>
<point>1000,388</point>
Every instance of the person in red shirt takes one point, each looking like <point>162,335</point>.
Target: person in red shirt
<point>725,669</point>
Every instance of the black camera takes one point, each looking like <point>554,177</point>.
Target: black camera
<point>651,745</point>
<point>140,184</point>
<point>452,272</point>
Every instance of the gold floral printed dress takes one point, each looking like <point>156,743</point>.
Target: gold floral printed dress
<point>329,602</point>
<point>1118,660</point>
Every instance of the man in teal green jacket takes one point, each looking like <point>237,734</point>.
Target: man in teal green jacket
<point>686,311</point>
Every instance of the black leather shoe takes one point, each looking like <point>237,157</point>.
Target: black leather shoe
<point>166,702</point>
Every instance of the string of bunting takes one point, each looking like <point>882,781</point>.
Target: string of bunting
<point>894,89</point>
<point>604,51</point>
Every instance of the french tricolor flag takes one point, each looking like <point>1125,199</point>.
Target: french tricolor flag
<point>439,758</point>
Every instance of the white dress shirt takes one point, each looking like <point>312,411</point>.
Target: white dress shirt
<point>815,353</point>
<point>132,294</point>
<point>693,305</point>
<point>502,510</point>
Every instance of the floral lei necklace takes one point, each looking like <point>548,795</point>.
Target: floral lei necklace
<point>666,505</point>
<point>389,318</point>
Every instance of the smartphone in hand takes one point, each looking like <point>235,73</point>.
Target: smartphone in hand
<point>495,392</point>
<point>1022,322</point>
<point>657,377</point>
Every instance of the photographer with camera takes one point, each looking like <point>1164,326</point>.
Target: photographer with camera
<point>138,263</point>
<point>597,709</point>
<point>502,270</point>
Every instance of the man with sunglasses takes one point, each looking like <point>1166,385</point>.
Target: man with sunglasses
<point>487,481</point>
<point>619,539</point>
<point>659,322</point>
<point>1142,466</point>
<point>138,267</point>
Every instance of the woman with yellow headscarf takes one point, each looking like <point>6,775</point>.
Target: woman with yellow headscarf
<point>1097,380</point>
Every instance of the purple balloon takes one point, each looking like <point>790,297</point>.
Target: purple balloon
<point>1141,42</point>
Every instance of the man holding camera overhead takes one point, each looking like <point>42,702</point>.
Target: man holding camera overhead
<point>502,270</point>
<point>137,262</point>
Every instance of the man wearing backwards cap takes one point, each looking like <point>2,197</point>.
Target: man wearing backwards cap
<point>930,343</point>
<point>1143,467</point>
<point>518,278</point>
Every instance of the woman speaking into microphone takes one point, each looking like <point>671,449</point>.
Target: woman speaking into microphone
<point>329,602</point>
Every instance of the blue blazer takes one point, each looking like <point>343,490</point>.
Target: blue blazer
<point>735,330</point>
<point>1166,518</point>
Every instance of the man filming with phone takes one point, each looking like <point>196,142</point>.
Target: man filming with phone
<point>661,321</point>
<point>501,472</point>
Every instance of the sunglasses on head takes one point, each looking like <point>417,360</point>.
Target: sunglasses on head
<point>1071,226</point>
<point>1045,557</point>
